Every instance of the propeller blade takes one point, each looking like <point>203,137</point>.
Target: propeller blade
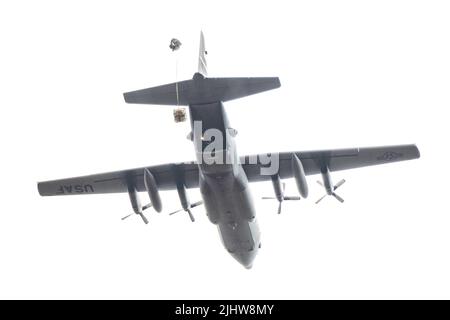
<point>127,216</point>
<point>279,207</point>
<point>268,198</point>
<point>284,186</point>
<point>320,183</point>
<point>143,218</point>
<point>337,197</point>
<point>175,212</point>
<point>340,183</point>
<point>321,198</point>
<point>196,204</point>
<point>147,206</point>
<point>190,215</point>
<point>292,198</point>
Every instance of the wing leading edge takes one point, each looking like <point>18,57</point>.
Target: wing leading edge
<point>335,160</point>
<point>167,175</point>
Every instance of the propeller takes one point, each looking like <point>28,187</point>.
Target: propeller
<point>333,193</point>
<point>139,214</point>
<point>188,209</point>
<point>146,206</point>
<point>282,198</point>
<point>144,218</point>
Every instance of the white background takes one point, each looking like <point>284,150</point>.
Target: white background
<point>353,74</point>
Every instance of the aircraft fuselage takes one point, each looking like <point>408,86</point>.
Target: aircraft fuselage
<point>223,183</point>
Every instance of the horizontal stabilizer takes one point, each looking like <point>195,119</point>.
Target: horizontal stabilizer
<point>202,90</point>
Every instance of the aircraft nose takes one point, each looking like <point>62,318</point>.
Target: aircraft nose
<point>245,258</point>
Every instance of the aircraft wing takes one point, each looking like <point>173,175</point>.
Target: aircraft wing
<point>338,159</point>
<point>167,175</point>
<point>114,182</point>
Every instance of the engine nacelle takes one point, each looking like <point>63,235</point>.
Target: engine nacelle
<point>278,187</point>
<point>152,190</point>
<point>327,183</point>
<point>299,175</point>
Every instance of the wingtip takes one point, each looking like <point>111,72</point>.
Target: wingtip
<point>416,149</point>
<point>126,97</point>
<point>130,97</point>
<point>278,82</point>
<point>39,189</point>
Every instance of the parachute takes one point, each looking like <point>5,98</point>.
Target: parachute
<point>175,44</point>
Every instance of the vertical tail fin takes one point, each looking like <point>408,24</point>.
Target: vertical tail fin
<point>200,89</point>
<point>202,66</point>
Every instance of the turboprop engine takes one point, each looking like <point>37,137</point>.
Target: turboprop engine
<point>136,204</point>
<point>328,185</point>
<point>153,193</point>
<point>279,189</point>
<point>186,205</point>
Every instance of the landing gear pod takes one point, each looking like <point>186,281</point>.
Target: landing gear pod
<point>152,190</point>
<point>299,175</point>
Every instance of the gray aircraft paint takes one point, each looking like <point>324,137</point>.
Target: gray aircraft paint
<point>224,186</point>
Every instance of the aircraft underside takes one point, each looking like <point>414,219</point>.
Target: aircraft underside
<point>223,177</point>
<point>229,205</point>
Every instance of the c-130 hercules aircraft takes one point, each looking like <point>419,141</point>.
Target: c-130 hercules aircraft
<point>223,177</point>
